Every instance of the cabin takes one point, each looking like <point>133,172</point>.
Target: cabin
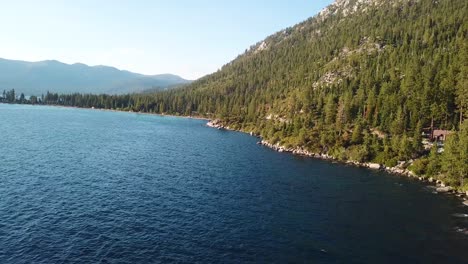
<point>440,135</point>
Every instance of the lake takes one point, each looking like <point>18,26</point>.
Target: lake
<point>89,186</point>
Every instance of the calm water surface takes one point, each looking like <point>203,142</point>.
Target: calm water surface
<point>86,186</point>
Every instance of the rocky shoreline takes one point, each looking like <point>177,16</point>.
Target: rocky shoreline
<point>216,124</point>
<point>400,169</point>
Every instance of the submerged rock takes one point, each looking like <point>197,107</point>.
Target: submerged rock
<point>461,215</point>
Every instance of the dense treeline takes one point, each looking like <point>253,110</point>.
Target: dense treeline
<point>11,97</point>
<point>359,86</point>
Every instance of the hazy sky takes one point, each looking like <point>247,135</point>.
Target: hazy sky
<point>188,38</point>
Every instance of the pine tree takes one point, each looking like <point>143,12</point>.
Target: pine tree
<point>417,137</point>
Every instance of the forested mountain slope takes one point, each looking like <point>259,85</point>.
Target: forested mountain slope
<point>360,80</point>
<point>387,64</point>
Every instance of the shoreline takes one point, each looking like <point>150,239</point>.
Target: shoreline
<point>147,113</point>
<point>399,170</point>
<point>118,111</point>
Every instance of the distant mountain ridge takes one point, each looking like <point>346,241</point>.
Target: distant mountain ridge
<point>35,78</point>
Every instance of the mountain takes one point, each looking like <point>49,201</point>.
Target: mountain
<point>362,80</point>
<point>36,78</point>
<point>387,65</point>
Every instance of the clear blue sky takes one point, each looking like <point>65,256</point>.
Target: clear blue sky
<point>188,38</point>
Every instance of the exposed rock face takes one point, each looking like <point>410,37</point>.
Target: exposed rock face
<point>349,7</point>
<point>276,117</point>
<point>263,46</point>
<point>334,77</point>
<point>368,45</point>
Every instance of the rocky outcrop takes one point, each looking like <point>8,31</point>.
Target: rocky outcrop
<point>402,169</point>
<point>216,123</point>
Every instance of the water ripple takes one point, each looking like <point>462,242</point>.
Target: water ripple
<point>82,186</point>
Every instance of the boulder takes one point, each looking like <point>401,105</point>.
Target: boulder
<point>374,166</point>
<point>444,189</point>
<point>431,180</point>
<point>465,203</point>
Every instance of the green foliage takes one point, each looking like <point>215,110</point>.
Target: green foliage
<point>391,162</point>
<point>454,160</point>
<point>419,166</point>
<point>417,138</point>
<point>339,153</point>
<point>356,137</point>
<point>433,165</point>
<point>404,149</point>
<point>358,153</point>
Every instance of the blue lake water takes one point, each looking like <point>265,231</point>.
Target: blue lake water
<point>88,186</point>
